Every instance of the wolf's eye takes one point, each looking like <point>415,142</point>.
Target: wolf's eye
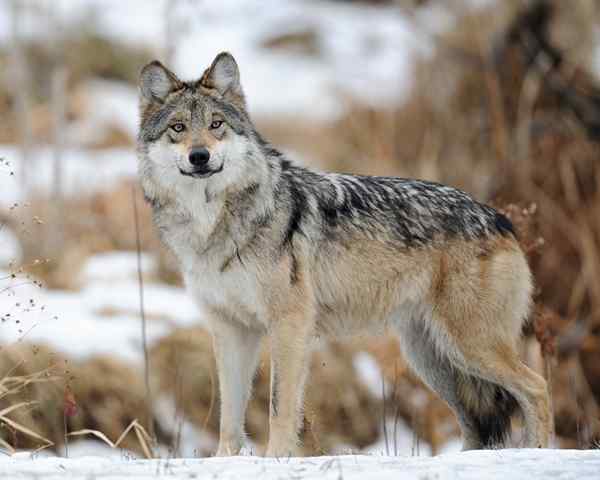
<point>178,127</point>
<point>216,124</point>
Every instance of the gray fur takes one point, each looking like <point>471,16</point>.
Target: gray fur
<point>224,76</point>
<point>156,82</point>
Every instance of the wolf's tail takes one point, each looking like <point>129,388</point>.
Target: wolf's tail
<point>489,409</point>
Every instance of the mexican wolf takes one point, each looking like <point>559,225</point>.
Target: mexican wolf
<point>268,247</point>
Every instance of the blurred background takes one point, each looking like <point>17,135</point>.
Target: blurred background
<point>498,97</point>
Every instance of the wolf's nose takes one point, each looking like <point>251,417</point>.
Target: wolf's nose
<point>199,156</point>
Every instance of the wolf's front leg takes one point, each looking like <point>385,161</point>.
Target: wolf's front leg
<point>236,351</point>
<point>290,355</point>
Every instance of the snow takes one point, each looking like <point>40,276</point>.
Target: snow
<point>595,64</point>
<point>108,103</point>
<point>117,266</point>
<point>11,251</point>
<point>86,448</point>
<point>476,465</point>
<point>84,171</point>
<point>370,373</point>
<point>103,317</point>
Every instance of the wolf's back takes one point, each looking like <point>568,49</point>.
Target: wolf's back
<point>412,213</point>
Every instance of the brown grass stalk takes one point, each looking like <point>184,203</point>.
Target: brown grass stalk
<point>149,403</point>
<point>144,439</point>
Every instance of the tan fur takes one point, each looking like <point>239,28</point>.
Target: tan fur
<point>479,293</point>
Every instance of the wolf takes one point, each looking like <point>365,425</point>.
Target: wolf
<point>268,247</point>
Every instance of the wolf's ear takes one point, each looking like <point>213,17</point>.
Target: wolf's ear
<point>157,81</point>
<point>224,76</point>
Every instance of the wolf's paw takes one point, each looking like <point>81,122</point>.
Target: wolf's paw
<point>228,449</point>
<point>282,451</point>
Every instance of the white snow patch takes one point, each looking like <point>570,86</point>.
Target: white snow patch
<point>102,318</point>
<point>595,64</point>
<point>95,448</point>
<point>370,373</point>
<point>10,249</point>
<point>117,266</point>
<point>109,104</point>
<point>475,465</point>
<point>84,171</point>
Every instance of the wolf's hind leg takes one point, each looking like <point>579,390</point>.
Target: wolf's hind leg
<point>436,370</point>
<point>476,317</point>
<point>502,366</point>
<point>236,351</point>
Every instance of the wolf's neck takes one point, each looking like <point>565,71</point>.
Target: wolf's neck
<point>192,215</point>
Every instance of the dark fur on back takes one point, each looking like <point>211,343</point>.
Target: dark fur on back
<point>413,213</point>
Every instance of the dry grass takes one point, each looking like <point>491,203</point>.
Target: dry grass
<point>11,385</point>
<point>86,55</point>
<point>144,439</point>
<point>99,222</point>
<point>109,397</point>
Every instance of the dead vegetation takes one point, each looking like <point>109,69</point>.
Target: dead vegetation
<point>96,223</point>
<point>108,396</point>
<point>86,55</point>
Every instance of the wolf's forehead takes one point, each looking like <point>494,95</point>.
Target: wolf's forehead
<point>193,104</point>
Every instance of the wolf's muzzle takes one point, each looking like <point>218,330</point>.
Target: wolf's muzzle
<point>201,172</point>
<point>198,158</point>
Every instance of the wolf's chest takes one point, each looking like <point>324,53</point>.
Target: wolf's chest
<point>212,272</point>
<point>236,291</point>
<point>186,232</point>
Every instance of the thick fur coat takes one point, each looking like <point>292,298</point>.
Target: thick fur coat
<point>268,247</point>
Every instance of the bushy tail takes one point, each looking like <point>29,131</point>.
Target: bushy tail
<point>490,408</point>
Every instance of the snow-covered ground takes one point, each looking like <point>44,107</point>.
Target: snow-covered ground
<point>477,465</point>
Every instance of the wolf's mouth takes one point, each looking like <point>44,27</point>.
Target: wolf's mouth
<point>201,173</point>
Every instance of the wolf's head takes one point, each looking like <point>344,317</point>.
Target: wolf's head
<point>196,131</point>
